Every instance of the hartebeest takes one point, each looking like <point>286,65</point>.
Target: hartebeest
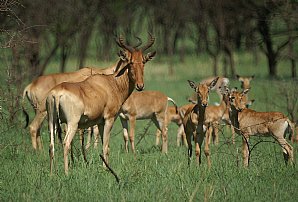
<point>222,82</point>
<point>176,117</point>
<point>214,114</point>
<point>37,91</point>
<point>145,105</point>
<point>248,122</point>
<point>97,100</point>
<point>194,118</point>
<point>245,84</point>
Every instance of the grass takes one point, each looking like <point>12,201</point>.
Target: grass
<point>152,176</point>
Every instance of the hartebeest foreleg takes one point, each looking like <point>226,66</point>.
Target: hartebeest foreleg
<point>160,123</point>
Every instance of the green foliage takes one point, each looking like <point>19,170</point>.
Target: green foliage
<point>153,176</point>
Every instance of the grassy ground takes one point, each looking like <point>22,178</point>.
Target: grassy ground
<point>152,176</point>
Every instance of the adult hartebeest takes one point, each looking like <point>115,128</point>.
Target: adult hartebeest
<point>248,122</point>
<point>193,120</point>
<point>37,91</point>
<point>145,105</point>
<point>97,100</point>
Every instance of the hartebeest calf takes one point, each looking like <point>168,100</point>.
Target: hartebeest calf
<point>248,122</point>
<point>145,105</point>
<point>194,118</point>
<point>245,84</point>
<point>216,113</point>
<point>222,82</point>
<point>97,100</point>
<point>176,117</point>
<point>38,90</point>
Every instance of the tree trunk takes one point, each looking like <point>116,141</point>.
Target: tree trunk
<point>264,30</point>
<point>83,44</point>
<point>272,62</point>
<point>64,55</point>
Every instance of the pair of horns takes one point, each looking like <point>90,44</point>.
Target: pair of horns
<point>122,44</point>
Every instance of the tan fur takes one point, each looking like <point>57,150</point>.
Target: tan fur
<point>222,82</point>
<point>37,91</point>
<point>194,118</point>
<point>249,122</point>
<point>175,116</point>
<point>145,105</point>
<point>96,100</point>
<point>245,84</point>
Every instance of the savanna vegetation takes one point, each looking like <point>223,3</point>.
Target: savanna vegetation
<point>44,38</point>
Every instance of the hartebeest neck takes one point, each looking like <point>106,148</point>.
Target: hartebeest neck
<point>125,83</point>
<point>201,116</point>
<point>234,114</point>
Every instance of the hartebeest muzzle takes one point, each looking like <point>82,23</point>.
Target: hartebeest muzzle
<point>140,87</point>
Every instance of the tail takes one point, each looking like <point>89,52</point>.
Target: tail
<point>52,105</point>
<point>174,103</point>
<point>25,94</point>
<point>291,130</point>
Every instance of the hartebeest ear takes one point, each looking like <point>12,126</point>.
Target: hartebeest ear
<point>149,56</point>
<point>245,91</point>
<point>249,103</point>
<point>192,84</point>
<point>122,55</point>
<point>213,83</point>
<point>239,78</point>
<point>121,71</point>
<point>251,77</point>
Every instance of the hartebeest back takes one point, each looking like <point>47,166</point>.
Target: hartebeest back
<point>145,105</point>
<point>97,99</point>
<point>248,122</point>
<point>194,118</point>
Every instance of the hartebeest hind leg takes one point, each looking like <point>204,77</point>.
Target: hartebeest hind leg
<point>35,129</point>
<point>125,133</point>
<point>132,125</point>
<point>286,148</point>
<point>71,131</point>
<point>160,123</point>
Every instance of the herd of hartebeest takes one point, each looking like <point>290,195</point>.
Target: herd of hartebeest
<point>95,97</point>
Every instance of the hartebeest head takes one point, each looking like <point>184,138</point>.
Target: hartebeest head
<point>238,100</point>
<point>202,91</point>
<point>245,81</point>
<point>136,60</point>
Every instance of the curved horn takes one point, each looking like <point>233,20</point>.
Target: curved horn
<point>121,43</point>
<point>149,43</point>
<point>139,42</point>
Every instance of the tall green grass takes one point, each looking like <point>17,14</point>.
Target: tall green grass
<point>152,176</point>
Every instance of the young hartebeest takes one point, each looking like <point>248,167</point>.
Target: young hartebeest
<point>176,117</point>
<point>145,105</point>
<point>245,84</point>
<point>38,90</point>
<point>97,100</point>
<point>193,120</point>
<point>214,114</point>
<point>248,122</point>
<point>222,82</point>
